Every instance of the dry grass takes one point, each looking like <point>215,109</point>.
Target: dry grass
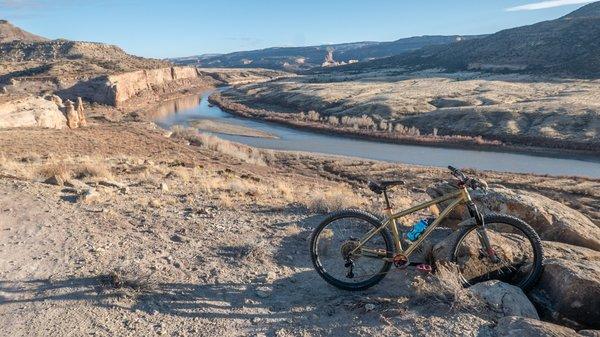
<point>54,169</point>
<point>79,168</point>
<point>180,173</point>
<point>444,287</point>
<point>130,281</point>
<point>14,168</point>
<point>333,200</point>
<point>244,153</point>
<point>92,168</point>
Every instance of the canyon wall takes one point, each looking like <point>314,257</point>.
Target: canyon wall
<point>117,89</point>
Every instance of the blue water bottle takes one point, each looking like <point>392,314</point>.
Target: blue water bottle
<point>417,229</point>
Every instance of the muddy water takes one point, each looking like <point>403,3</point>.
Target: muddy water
<point>197,107</point>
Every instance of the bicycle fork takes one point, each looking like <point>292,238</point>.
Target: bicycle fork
<point>482,232</point>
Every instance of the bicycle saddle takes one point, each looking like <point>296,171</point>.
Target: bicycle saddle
<point>381,186</point>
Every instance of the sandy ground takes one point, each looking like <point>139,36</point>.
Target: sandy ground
<point>229,129</point>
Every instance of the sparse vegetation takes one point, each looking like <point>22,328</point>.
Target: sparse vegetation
<point>244,153</point>
<point>333,200</point>
<point>443,287</point>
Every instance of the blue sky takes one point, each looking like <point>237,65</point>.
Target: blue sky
<point>184,27</point>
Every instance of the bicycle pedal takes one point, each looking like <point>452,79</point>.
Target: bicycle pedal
<point>426,268</point>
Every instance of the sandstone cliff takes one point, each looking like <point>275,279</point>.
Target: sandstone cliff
<point>117,89</point>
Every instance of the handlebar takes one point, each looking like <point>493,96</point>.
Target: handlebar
<point>473,183</point>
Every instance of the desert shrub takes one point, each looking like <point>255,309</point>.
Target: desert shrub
<point>91,169</point>
<point>130,281</point>
<point>363,122</point>
<point>333,120</point>
<point>313,116</point>
<point>54,169</point>
<point>333,200</point>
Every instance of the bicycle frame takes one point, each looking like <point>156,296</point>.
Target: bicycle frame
<point>458,197</point>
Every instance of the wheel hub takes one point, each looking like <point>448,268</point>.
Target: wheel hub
<point>348,247</point>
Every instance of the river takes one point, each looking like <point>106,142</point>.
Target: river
<point>190,108</point>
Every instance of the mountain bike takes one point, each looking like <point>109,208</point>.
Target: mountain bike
<point>354,249</point>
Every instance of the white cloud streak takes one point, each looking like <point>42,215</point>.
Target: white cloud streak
<point>546,4</point>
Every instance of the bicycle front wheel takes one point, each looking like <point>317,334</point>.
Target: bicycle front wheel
<point>516,246</point>
<point>337,236</point>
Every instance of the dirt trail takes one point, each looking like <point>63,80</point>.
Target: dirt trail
<point>234,273</point>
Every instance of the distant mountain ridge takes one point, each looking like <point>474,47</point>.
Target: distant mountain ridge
<point>302,58</point>
<point>569,45</point>
<point>26,54</point>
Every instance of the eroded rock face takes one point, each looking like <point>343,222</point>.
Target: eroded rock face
<point>552,220</point>
<point>514,326</point>
<point>80,113</point>
<point>72,116</point>
<point>31,112</point>
<point>505,298</point>
<point>569,290</point>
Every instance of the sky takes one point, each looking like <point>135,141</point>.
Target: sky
<point>175,28</point>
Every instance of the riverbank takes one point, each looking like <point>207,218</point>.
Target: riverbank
<point>231,102</point>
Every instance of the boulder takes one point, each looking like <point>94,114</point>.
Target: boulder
<point>514,326</point>
<point>31,111</point>
<point>589,333</point>
<point>552,220</point>
<point>504,298</point>
<point>569,290</point>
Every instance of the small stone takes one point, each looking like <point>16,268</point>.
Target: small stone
<point>89,196</point>
<point>262,293</point>
<point>369,307</point>
<point>164,187</point>
<point>55,180</point>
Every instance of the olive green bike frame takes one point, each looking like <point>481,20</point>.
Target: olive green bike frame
<point>461,196</point>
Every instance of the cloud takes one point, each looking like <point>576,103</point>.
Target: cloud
<point>546,4</point>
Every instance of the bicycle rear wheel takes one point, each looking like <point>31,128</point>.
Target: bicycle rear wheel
<point>334,239</point>
<point>516,245</point>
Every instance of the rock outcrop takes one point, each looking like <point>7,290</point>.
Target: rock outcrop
<point>552,220</point>
<point>31,111</point>
<point>513,326</point>
<point>569,290</point>
<point>504,298</point>
<point>72,116</point>
<point>116,89</point>
<point>80,112</point>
